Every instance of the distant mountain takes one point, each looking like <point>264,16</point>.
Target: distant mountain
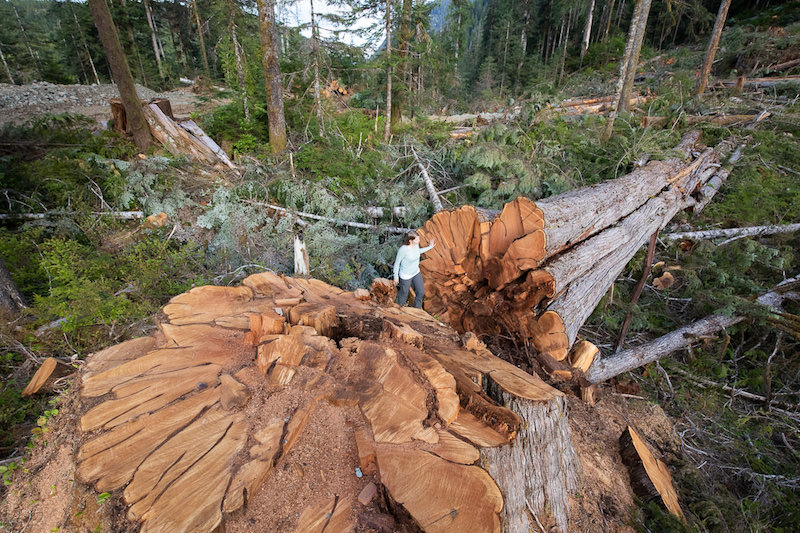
<point>438,15</point>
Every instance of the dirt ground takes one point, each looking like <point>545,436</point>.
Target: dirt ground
<point>19,103</point>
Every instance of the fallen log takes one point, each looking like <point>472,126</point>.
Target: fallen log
<point>607,367</point>
<point>537,270</point>
<point>720,120</point>
<point>758,82</point>
<point>226,414</point>
<point>786,65</point>
<point>751,231</point>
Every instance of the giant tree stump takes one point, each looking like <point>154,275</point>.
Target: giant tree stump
<point>261,405</point>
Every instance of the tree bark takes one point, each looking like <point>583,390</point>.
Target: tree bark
<point>606,368</point>
<point>587,30</point>
<point>387,129</point>
<point>713,44</point>
<point>437,203</point>
<point>238,55</point>
<point>752,231</point>
<point>628,63</point>
<point>11,301</point>
<point>122,73</point>
<point>315,50</point>
<point>630,73</point>
<point>272,74</point>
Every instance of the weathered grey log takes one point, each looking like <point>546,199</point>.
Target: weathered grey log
<point>571,215</point>
<point>124,215</point>
<point>437,203</point>
<point>608,367</point>
<point>751,231</point>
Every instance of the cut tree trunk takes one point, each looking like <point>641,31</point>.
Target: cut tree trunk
<point>243,395</point>
<point>536,271</point>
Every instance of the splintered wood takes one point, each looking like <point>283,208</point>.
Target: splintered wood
<point>650,477</point>
<point>535,271</point>
<point>209,416</point>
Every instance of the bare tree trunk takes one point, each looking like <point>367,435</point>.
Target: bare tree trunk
<point>272,75</point>
<point>587,30</point>
<point>121,72</point>
<point>315,49</point>
<point>85,46</point>
<point>713,44</point>
<point>628,62</point>
<point>153,37</point>
<point>505,57</point>
<point>458,43</point>
<point>564,50</point>
<point>399,98</point>
<point>5,67</point>
<point>523,45</point>
<point>634,60</point>
<point>607,30</point>
<point>238,53</point>
<point>387,130</point>
<point>10,298</point>
<point>200,37</point>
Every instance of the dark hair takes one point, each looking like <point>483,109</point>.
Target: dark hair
<point>410,236</point>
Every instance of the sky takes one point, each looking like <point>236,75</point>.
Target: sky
<point>296,13</point>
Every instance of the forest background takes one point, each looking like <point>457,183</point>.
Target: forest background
<point>90,281</point>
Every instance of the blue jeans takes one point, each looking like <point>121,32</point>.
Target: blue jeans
<point>419,290</point>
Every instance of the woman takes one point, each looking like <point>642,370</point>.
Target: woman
<point>406,269</point>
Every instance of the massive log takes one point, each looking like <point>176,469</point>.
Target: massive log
<point>536,271</point>
<point>276,404</point>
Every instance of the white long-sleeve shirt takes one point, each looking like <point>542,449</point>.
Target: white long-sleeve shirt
<point>406,264</point>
